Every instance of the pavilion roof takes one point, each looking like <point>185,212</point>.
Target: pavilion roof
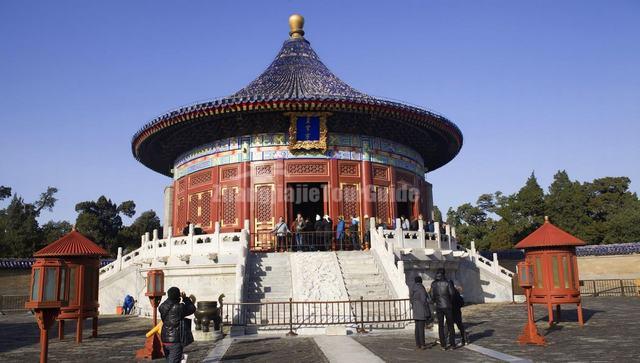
<point>72,244</point>
<point>549,235</point>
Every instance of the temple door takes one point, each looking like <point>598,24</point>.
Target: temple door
<point>264,197</point>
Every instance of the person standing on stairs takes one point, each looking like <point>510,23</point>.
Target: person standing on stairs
<point>421,310</point>
<point>299,226</point>
<point>281,231</point>
<point>340,232</point>
<point>327,224</point>
<point>355,236</point>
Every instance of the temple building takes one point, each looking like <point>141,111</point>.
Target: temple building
<point>298,140</point>
<point>296,128</point>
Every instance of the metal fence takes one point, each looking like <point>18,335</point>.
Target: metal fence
<point>612,287</point>
<point>13,303</point>
<point>267,241</point>
<point>295,314</point>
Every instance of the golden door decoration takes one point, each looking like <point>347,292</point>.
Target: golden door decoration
<point>264,215</point>
<point>229,206</point>
<point>200,209</point>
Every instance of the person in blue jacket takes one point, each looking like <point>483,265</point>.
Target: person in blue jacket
<point>340,231</point>
<point>129,302</point>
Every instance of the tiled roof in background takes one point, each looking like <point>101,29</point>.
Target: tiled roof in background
<point>25,263</point>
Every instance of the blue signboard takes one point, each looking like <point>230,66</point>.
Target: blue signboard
<point>308,128</point>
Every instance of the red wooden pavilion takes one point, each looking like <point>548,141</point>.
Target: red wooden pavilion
<point>552,253</point>
<point>82,258</point>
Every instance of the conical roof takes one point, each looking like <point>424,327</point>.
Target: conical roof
<point>298,73</point>
<point>72,244</point>
<point>549,235</point>
<point>296,80</point>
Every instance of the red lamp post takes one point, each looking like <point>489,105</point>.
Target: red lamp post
<point>48,294</point>
<point>530,332</point>
<point>155,291</point>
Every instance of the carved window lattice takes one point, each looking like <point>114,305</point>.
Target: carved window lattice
<point>264,170</point>
<point>350,200</point>
<point>181,211</point>
<point>382,203</point>
<point>182,185</point>
<point>229,212</point>
<point>380,173</point>
<point>348,169</point>
<point>307,168</point>
<point>230,173</point>
<point>205,209</point>
<point>200,178</point>
<point>264,199</point>
<point>194,203</point>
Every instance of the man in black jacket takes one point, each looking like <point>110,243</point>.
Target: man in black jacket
<point>172,312</point>
<point>421,310</point>
<point>442,294</point>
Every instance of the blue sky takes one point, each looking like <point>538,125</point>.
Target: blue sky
<point>542,85</point>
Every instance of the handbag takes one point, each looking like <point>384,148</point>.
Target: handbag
<point>186,336</point>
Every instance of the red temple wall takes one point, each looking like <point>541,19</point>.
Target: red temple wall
<point>256,191</point>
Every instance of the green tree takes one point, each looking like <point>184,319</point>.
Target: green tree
<point>20,234</point>
<point>566,204</point>
<point>100,220</point>
<point>437,214</point>
<point>129,236</point>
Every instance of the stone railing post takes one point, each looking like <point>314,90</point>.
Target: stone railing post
<point>155,234</point>
<point>496,265</point>
<point>436,231</point>
<point>399,234</point>
<point>142,241</point>
<point>192,229</point>
<point>119,259</point>
<point>216,235</point>
<point>453,232</point>
<point>170,232</point>
<point>472,251</point>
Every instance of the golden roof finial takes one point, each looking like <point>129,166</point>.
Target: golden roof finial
<point>296,23</point>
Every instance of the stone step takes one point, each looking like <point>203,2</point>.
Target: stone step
<point>367,269</point>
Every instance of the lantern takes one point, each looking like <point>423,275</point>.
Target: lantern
<point>155,291</point>
<point>530,333</point>
<point>48,295</point>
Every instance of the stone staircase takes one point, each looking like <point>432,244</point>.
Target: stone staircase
<point>363,278</point>
<point>268,279</point>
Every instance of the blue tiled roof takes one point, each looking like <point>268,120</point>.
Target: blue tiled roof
<point>25,263</point>
<point>298,73</point>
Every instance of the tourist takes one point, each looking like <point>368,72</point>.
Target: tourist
<point>420,305</point>
<point>380,223</point>
<point>404,223</point>
<point>367,231</point>
<point>340,231</point>
<point>198,229</point>
<point>327,226</point>
<point>129,302</point>
<point>442,295</point>
<point>430,226</point>
<point>457,304</point>
<point>299,229</point>
<point>185,230</point>
<point>281,231</point>
<point>415,225</point>
<point>172,312</point>
<point>307,239</point>
<point>355,237</point>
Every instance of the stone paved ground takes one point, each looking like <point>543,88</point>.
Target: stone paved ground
<point>118,339</point>
<point>611,332</point>
<point>399,347</point>
<point>275,349</point>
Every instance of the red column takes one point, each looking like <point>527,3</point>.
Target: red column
<point>392,195</point>
<point>245,193</point>
<point>334,189</point>
<point>280,189</point>
<point>367,202</point>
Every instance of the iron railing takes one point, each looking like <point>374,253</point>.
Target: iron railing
<point>13,302</point>
<point>610,287</point>
<point>295,314</point>
<point>267,241</point>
